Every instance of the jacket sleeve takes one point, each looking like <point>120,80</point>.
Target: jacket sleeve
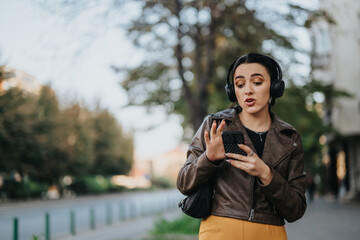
<point>288,195</point>
<point>197,169</point>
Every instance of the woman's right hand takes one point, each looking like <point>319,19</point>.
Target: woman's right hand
<point>214,143</point>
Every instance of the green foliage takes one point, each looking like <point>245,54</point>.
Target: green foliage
<point>77,136</point>
<point>192,43</point>
<point>45,143</point>
<point>292,109</point>
<point>17,143</point>
<point>172,237</point>
<point>182,225</point>
<point>161,182</point>
<point>38,237</point>
<point>91,184</point>
<point>113,149</point>
<point>23,189</point>
<point>299,108</point>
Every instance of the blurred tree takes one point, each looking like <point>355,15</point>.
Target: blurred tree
<point>113,149</point>
<point>292,107</point>
<point>78,138</point>
<point>300,107</point>
<point>52,163</point>
<point>43,142</point>
<point>18,147</point>
<point>192,44</point>
<point>189,45</point>
<point>329,94</point>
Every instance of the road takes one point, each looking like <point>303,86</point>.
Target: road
<point>107,210</point>
<point>324,218</point>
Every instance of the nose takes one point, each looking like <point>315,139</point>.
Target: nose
<point>248,89</point>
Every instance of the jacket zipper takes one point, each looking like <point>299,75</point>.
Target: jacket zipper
<point>251,214</point>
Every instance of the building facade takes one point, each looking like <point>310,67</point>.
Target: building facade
<point>11,77</point>
<point>336,62</point>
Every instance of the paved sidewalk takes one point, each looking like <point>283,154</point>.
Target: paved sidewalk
<point>135,229</point>
<point>324,219</point>
<point>139,208</point>
<point>327,219</point>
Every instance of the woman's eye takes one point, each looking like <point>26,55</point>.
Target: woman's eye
<point>240,85</point>
<point>257,83</point>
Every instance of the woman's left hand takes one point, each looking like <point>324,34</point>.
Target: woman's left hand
<point>251,164</point>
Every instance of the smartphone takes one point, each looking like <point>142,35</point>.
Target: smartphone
<point>231,141</point>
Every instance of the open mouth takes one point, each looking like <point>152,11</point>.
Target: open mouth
<point>249,101</point>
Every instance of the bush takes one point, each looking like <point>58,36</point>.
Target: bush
<point>90,185</point>
<point>161,182</point>
<point>35,189</point>
<point>24,189</point>
<point>184,225</point>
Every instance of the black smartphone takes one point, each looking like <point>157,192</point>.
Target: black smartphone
<point>231,141</point>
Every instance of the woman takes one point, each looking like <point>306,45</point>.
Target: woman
<point>253,194</point>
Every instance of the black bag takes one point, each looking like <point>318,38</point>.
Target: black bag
<point>198,204</point>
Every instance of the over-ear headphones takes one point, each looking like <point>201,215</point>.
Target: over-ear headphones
<point>277,85</point>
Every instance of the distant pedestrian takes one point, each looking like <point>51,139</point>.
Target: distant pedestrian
<point>255,192</point>
<point>310,184</point>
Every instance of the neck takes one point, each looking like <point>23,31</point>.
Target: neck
<point>259,122</point>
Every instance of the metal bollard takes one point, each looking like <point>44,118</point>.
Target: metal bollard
<point>132,210</point>
<point>72,223</point>
<point>92,218</point>
<point>121,211</point>
<point>108,215</point>
<point>16,229</point>
<point>47,226</point>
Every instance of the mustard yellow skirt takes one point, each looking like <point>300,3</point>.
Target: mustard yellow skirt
<point>223,228</point>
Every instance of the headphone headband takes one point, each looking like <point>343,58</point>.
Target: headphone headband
<point>276,64</point>
<point>277,84</point>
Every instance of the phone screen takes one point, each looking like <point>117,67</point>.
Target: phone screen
<point>231,141</point>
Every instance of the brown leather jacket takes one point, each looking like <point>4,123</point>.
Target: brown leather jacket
<point>240,195</point>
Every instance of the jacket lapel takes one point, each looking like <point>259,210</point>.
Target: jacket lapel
<point>277,147</point>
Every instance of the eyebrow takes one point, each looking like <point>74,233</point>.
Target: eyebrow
<point>252,75</point>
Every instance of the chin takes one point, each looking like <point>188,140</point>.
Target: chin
<point>254,110</point>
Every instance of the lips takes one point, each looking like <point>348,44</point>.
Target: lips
<point>250,101</point>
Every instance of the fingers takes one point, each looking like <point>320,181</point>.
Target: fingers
<point>221,127</point>
<point>216,131</point>
<point>213,129</point>
<point>241,157</point>
<point>235,156</point>
<point>207,138</point>
<point>238,164</point>
<point>247,149</point>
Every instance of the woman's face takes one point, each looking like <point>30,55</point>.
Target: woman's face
<point>252,87</point>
